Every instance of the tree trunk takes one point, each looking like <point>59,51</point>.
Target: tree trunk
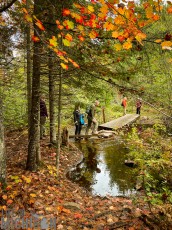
<point>59,121</point>
<point>34,134</point>
<point>2,148</point>
<point>29,82</point>
<point>52,100</point>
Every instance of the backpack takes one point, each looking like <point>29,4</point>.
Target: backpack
<point>82,119</point>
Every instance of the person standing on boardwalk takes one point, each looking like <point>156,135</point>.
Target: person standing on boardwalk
<point>77,121</point>
<point>138,106</point>
<point>43,116</point>
<point>124,104</point>
<point>91,116</point>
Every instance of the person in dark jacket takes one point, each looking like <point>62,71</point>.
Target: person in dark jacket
<point>138,106</point>
<point>77,121</point>
<point>43,116</point>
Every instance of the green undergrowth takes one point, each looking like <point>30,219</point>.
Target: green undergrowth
<point>151,150</point>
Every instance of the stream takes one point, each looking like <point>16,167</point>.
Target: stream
<point>102,170</point>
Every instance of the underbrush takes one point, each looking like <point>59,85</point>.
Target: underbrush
<point>151,150</point>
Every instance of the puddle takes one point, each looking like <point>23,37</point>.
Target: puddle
<point>102,170</point>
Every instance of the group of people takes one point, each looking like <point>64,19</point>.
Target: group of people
<point>91,117</point>
<point>138,105</point>
<point>91,112</point>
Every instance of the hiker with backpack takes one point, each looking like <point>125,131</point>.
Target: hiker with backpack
<point>91,116</point>
<point>78,121</point>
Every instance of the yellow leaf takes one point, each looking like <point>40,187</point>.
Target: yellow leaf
<point>80,27</point>
<point>33,195</point>
<point>140,36</point>
<point>127,45</point>
<point>115,34</point>
<point>64,66</point>
<point>27,179</point>
<point>118,47</point>
<point>28,18</point>
<point>66,42</point>
<point>93,34</point>
<point>53,41</point>
<point>158,40</point>
<point>68,24</point>
<point>91,8</point>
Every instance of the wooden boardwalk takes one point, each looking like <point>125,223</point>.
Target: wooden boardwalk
<point>119,122</point>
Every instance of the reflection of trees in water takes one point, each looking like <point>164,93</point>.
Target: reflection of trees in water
<point>119,174</point>
<point>84,172</point>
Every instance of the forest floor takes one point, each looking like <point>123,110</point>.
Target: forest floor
<point>60,199</point>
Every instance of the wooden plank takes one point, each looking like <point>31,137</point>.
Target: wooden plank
<point>119,122</point>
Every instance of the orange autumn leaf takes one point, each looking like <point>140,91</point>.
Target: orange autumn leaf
<point>127,45</point>
<point>81,38</point>
<point>69,37</point>
<point>115,34</point>
<point>158,40</point>
<point>9,201</point>
<point>60,27</point>
<point>169,10</point>
<point>25,11</point>
<point>39,25</point>
<point>66,12</point>
<point>4,197</point>
<point>35,39</point>
<point>166,45</point>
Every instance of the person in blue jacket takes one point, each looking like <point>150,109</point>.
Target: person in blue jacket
<point>78,121</point>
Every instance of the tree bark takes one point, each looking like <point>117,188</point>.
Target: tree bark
<point>34,134</point>
<point>2,147</point>
<point>52,100</point>
<point>29,81</point>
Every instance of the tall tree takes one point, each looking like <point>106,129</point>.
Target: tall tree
<point>34,134</point>
<point>2,142</point>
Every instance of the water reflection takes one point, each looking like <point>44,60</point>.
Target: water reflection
<point>102,169</point>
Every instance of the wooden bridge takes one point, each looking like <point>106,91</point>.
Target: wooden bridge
<point>112,125</point>
<point>119,122</point>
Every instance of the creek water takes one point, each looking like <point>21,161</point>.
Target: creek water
<point>102,170</point>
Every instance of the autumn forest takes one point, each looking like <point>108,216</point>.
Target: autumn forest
<point>73,53</point>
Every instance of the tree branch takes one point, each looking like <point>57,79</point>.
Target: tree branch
<point>7,6</point>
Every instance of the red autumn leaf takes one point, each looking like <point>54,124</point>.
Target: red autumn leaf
<point>35,39</point>
<point>78,215</point>
<point>121,38</point>
<point>169,10</point>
